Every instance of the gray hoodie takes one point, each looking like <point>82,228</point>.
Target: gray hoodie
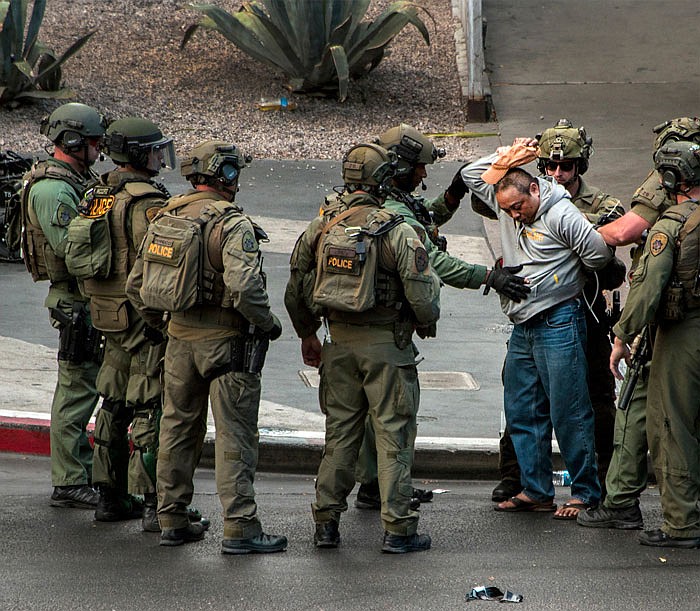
<point>553,249</point>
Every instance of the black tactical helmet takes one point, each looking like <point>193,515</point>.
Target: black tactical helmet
<point>678,163</point>
<point>410,146</point>
<point>132,139</point>
<point>369,167</point>
<point>70,125</point>
<point>564,141</point>
<point>682,128</point>
<point>214,161</point>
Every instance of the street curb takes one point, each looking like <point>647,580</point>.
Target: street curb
<point>286,451</point>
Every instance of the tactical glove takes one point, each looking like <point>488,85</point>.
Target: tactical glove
<point>457,188</point>
<point>506,283</point>
<point>276,330</point>
<point>153,335</point>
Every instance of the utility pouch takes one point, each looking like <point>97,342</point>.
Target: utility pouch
<point>673,307</point>
<point>403,333</point>
<point>89,247</point>
<point>256,346</point>
<point>109,313</point>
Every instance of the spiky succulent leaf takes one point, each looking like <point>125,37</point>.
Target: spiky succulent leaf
<point>318,44</point>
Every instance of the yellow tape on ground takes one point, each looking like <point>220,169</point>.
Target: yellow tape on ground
<point>464,135</point>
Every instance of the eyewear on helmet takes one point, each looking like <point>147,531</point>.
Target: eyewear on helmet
<point>565,166</point>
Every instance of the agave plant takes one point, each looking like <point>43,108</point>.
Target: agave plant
<point>318,44</point>
<point>28,68</point>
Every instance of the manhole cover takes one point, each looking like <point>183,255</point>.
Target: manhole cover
<point>429,380</point>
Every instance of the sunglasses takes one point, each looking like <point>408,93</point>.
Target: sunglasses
<point>566,166</point>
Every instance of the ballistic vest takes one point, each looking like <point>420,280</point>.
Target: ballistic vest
<point>686,263</point>
<point>217,301</point>
<point>39,258</point>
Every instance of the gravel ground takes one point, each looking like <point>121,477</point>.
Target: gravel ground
<point>133,66</point>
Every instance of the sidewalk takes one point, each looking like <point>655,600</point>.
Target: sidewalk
<point>539,72</point>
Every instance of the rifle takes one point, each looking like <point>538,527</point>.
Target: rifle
<point>641,352</point>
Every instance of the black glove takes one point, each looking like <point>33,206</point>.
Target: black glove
<point>506,283</point>
<point>276,330</point>
<point>457,188</point>
<point>153,335</point>
<point>612,275</point>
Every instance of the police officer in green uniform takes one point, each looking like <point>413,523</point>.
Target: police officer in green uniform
<point>634,434</point>
<point>563,153</point>
<point>50,198</point>
<point>415,151</point>
<point>129,378</point>
<point>664,289</point>
<point>215,350</point>
<point>374,286</point>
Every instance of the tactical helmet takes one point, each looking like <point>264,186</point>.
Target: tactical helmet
<point>369,165</point>
<point>132,139</point>
<point>71,124</point>
<point>564,141</point>
<point>682,128</point>
<point>214,161</point>
<point>678,163</point>
<point>411,147</point>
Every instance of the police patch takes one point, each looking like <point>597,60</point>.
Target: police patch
<point>421,259</point>
<point>249,243</point>
<point>64,215</point>
<point>657,243</point>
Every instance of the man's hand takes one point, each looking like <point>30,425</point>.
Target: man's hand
<point>506,283</point>
<point>620,350</point>
<point>456,191</point>
<point>311,350</point>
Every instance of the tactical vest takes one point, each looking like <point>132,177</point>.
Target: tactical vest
<point>686,263</point>
<point>388,298</point>
<point>108,295</point>
<point>39,258</point>
<point>217,301</point>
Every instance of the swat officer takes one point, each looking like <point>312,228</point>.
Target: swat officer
<point>51,194</point>
<point>664,289</point>
<point>635,435</point>
<point>374,286</point>
<point>563,153</point>
<point>415,151</point>
<point>215,350</point>
<point>126,198</point>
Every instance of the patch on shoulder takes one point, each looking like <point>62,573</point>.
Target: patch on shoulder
<point>64,215</point>
<point>421,233</point>
<point>657,243</point>
<point>249,242</point>
<point>421,259</point>
<point>151,213</point>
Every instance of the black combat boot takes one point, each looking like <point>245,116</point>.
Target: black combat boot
<point>80,496</point>
<point>114,507</point>
<point>261,544</point>
<point>402,544</point>
<point>368,496</point>
<point>171,537</point>
<point>149,519</point>
<point>327,534</point>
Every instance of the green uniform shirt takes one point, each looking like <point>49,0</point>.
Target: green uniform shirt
<point>451,270</point>
<point>596,204</point>
<point>649,279</point>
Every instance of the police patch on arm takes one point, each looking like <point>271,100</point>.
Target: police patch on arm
<point>64,215</point>
<point>657,243</point>
<point>249,243</point>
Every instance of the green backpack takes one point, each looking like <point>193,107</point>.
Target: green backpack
<point>89,245</point>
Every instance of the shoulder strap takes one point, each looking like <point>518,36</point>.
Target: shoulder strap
<point>692,222</point>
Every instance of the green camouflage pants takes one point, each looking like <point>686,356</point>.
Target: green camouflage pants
<point>192,375</point>
<point>74,401</point>
<point>674,403</point>
<point>363,372</point>
<point>129,380</point>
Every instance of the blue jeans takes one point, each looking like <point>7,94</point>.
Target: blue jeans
<point>545,386</point>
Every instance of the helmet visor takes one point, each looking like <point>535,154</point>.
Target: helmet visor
<point>164,151</point>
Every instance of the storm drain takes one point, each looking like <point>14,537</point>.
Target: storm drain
<point>429,380</point>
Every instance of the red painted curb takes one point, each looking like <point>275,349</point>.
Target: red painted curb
<point>28,436</point>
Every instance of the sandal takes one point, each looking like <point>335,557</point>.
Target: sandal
<point>515,503</point>
<point>575,507</point>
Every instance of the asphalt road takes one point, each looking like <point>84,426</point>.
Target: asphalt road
<point>58,559</point>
